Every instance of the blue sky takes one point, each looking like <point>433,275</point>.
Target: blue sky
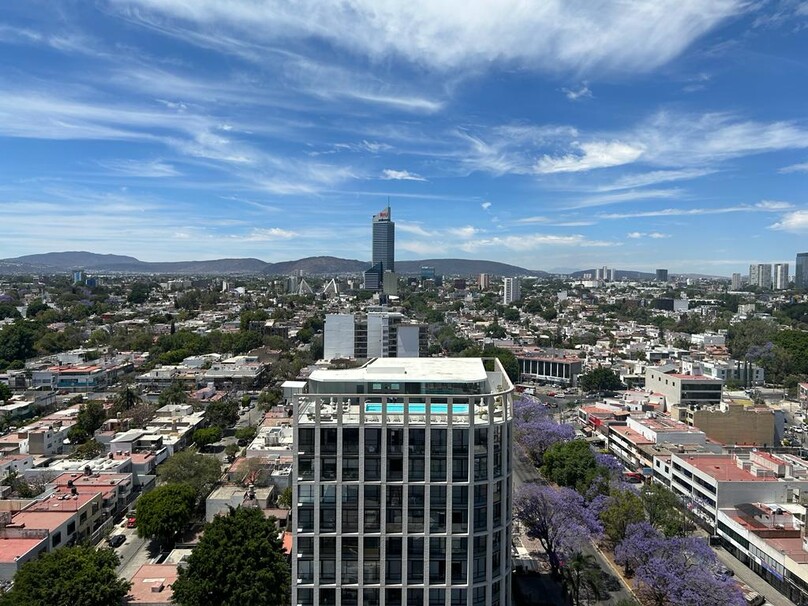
<point>555,134</point>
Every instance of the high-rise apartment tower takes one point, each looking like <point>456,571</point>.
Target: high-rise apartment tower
<point>801,271</point>
<point>402,484</point>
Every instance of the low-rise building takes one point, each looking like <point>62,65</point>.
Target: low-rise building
<point>540,366</point>
<point>734,424</point>
<point>682,389</point>
<point>152,585</point>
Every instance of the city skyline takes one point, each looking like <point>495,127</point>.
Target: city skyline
<point>168,131</point>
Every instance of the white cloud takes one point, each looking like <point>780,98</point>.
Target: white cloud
<point>533,241</point>
<point>654,235</point>
<point>582,92</point>
<point>140,168</point>
<point>268,234</point>
<point>802,167</point>
<point>485,205</point>
<point>774,205</point>
<point>625,196</point>
<point>465,232</point>
<point>413,228</point>
<point>554,35</point>
<point>686,212</point>
<point>422,248</point>
<point>795,222</point>
<point>594,154</point>
<point>400,175</point>
<point>654,177</point>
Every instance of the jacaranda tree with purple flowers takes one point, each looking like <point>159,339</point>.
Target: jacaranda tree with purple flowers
<point>535,430</point>
<point>558,518</point>
<point>678,571</point>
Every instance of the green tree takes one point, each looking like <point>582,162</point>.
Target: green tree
<point>624,507</point>
<point>88,450</point>
<point>36,308</point>
<point>165,511</point>
<point>127,398</point>
<point>206,436</point>
<point>5,392</point>
<point>173,394</point>
<point>600,379</point>
<point>231,450</point>
<point>570,464</point>
<point>17,343</point>
<point>223,413</point>
<point>239,560</point>
<point>90,417</point>
<point>285,498</point>
<point>581,572</point>
<point>139,293</point>
<point>70,576</point>
<point>246,433</point>
<point>8,311</point>
<point>196,470</point>
<point>664,510</point>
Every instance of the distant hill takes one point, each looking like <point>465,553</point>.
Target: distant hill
<point>317,266</point>
<point>466,267</point>
<point>61,262</point>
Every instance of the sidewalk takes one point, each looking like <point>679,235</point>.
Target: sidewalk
<point>746,575</point>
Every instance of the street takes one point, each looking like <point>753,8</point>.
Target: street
<point>133,553</point>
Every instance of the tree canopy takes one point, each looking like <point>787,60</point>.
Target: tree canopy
<point>70,576</point>
<point>600,379</point>
<point>198,471</point>
<point>165,511</point>
<point>223,413</point>
<point>571,464</point>
<point>239,561</point>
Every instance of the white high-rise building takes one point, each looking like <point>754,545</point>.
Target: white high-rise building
<point>780,276</point>
<point>484,281</point>
<point>402,484</point>
<point>736,281</point>
<point>378,334</point>
<point>765,276</point>
<point>512,291</point>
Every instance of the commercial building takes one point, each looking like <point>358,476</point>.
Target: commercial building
<point>801,271</point>
<point>402,484</point>
<point>549,368</point>
<point>511,291</point>
<point>683,390</point>
<point>662,275</point>
<point>734,424</point>
<point>383,250</point>
<point>377,334</point>
<point>484,281</point>
<point>780,276</point>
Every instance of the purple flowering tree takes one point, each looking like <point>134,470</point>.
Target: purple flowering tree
<point>641,540</point>
<point>558,518</point>
<point>683,571</point>
<point>535,430</point>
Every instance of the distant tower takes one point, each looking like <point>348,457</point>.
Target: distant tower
<point>484,281</point>
<point>780,276</point>
<point>78,276</point>
<point>512,291</point>
<point>384,250</point>
<point>662,275</point>
<point>736,281</point>
<point>801,271</point>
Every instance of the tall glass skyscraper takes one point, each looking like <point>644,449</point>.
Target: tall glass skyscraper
<point>801,271</point>
<point>384,240</point>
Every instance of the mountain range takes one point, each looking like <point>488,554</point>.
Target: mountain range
<point>62,262</point>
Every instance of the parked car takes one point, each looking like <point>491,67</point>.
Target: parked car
<point>116,540</point>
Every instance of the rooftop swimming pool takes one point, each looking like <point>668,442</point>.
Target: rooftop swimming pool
<point>417,409</point>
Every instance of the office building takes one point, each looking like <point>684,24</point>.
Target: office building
<point>427,272</point>
<point>484,281</point>
<point>543,367</point>
<point>383,246</point>
<point>378,334</point>
<point>780,276</point>
<point>78,276</point>
<point>384,240</point>
<point>402,484</point>
<point>682,389</point>
<point>801,271</point>
<point>736,282</point>
<point>512,291</point>
<point>662,275</point>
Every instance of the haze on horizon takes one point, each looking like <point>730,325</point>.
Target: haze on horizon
<point>546,135</point>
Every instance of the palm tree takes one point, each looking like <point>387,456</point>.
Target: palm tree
<point>581,570</point>
<point>127,398</point>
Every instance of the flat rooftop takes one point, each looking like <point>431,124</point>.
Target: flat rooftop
<point>723,468</point>
<point>433,370</point>
<point>13,549</point>
<point>152,584</point>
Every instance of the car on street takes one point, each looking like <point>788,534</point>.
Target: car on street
<point>116,540</point>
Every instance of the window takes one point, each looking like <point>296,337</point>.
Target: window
<point>350,440</point>
<point>480,555</point>
<point>460,442</point>
<point>459,560</point>
<point>305,597</point>
<point>460,469</point>
<point>305,571</point>
<point>395,469</point>
<point>437,472</point>
<point>306,468</point>
<point>415,597</point>
<point>395,441</point>
<point>350,469</point>
<point>329,468</point>
<point>370,597</point>
<point>57,538</point>
<point>372,520</point>
<point>305,494</point>
<point>71,528</point>
<point>438,442</point>
<point>373,496</point>
<point>350,597</point>
<point>350,496</point>
<point>479,596</point>
<point>328,519</point>
<point>350,571</point>
<point>481,439</point>
<point>328,441</point>
<point>437,597</point>
<point>373,440</point>
<point>481,467</point>
<point>459,597</point>
<point>417,441</point>
<point>328,571</point>
<point>305,519</point>
<point>328,495</point>
<point>415,571</point>
<point>392,597</point>
<point>305,438</point>
<point>460,520</point>
<point>350,520</point>
<point>373,469</point>
<point>416,469</point>
<point>328,597</point>
<point>415,520</point>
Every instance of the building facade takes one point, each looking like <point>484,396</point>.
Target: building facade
<point>736,281</point>
<point>384,240</point>
<point>780,276</point>
<point>512,291</point>
<point>378,334</point>
<point>801,271</point>
<point>402,484</point>
<point>662,275</point>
